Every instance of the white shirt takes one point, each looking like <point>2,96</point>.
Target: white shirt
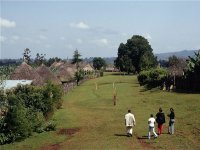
<point>130,119</point>
<point>151,122</point>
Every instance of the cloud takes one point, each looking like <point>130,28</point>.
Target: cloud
<point>79,41</point>
<point>80,25</point>
<point>2,39</point>
<point>4,23</point>
<point>42,37</point>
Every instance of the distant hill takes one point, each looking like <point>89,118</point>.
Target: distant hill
<point>180,54</point>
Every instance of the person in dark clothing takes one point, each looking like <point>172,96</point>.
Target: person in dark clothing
<point>171,121</point>
<point>160,119</point>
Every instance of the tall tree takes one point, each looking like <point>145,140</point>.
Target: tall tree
<point>98,63</point>
<point>39,59</point>
<point>135,55</point>
<point>76,60</point>
<point>27,56</point>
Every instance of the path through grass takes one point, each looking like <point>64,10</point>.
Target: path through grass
<point>90,121</point>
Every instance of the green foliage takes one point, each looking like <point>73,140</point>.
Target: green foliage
<point>50,61</point>
<point>16,120</point>
<point>26,108</point>
<point>39,59</point>
<point>79,75</point>
<point>135,55</point>
<point>191,80</point>
<point>101,73</point>
<point>50,126</point>
<point>173,60</point>
<point>27,56</point>
<point>153,77</point>
<point>98,63</point>
<point>76,58</point>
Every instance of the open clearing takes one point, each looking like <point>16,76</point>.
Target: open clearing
<point>90,121</point>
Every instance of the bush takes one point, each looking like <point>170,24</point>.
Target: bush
<point>27,107</point>
<point>101,73</point>
<point>50,126</point>
<point>153,77</point>
<point>16,124</point>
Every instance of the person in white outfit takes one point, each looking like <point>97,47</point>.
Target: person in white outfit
<point>151,123</point>
<point>129,122</point>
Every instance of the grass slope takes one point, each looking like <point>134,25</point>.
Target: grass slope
<point>100,125</point>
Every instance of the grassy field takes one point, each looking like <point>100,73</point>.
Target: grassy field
<point>90,121</point>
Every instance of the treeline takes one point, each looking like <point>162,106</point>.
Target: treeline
<point>27,109</point>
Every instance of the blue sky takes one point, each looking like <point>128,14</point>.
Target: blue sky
<point>57,28</point>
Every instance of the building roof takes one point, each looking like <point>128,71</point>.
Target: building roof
<point>26,72</point>
<point>47,74</point>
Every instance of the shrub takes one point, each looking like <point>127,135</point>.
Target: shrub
<point>101,73</point>
<point>50,126</point>
<point>27,107</point>
<point>16,124</point>
<point>153,77</point>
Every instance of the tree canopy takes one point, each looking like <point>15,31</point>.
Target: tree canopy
<point>98,63</point>
<point>135,55</point>
<point>76,58</point>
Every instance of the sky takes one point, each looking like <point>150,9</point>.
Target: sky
<point>95,28</point>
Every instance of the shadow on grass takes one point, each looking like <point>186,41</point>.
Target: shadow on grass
<point>121,74</point>
<point>121,135</point>
<point>143,137</point>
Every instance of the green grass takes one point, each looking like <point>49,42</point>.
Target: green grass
<point>100,122</point>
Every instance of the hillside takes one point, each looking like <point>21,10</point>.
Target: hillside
<point>180,54</point>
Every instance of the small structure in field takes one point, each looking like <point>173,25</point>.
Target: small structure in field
<point>47,74</point>
<point>26,72</point>
<point>63,74</point>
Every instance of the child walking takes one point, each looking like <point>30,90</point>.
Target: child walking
<point>151,123</point>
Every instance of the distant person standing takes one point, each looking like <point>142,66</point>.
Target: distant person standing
<point>129,122</point>
<point>160,119</point>
<point>151,123</point>
<point>171,121</point>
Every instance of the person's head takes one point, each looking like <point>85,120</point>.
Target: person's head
<point>129,111</point>
<point>171,109</point>
<point>160,109</point>
<point>151,115</point>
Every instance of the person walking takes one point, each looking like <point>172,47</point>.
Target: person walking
<point>171,121</point>
<point>151,123</point>
<point>160,119</point>
<point>129,123</point>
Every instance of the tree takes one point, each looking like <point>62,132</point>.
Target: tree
<point>52,60</point>
<point>135,55</point>
<point>39,59</point>
<point>173,60</point>
<point>76,58</point>
<point>98,63</point>
<point>27,56</point>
